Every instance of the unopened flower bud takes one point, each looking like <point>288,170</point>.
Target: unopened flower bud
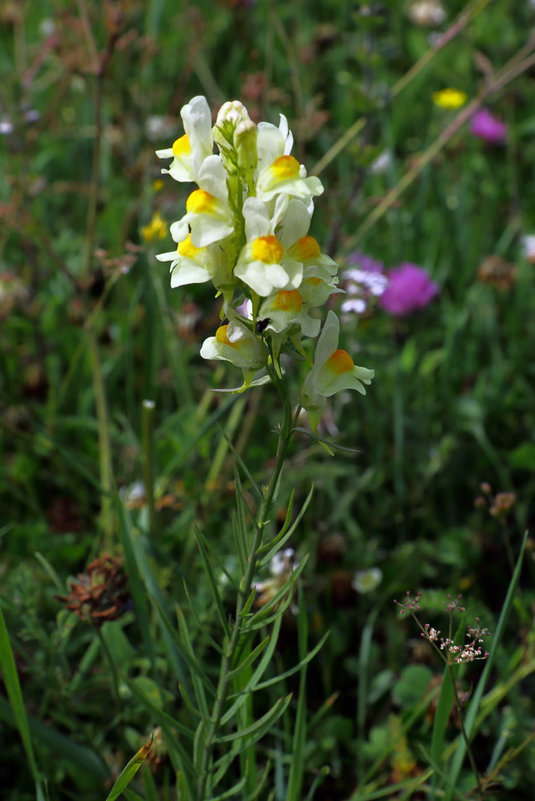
<point>245,136</point>
<point>229,116</point>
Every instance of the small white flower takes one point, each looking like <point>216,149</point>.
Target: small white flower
<point>528,245</point>
<point>367,580</point>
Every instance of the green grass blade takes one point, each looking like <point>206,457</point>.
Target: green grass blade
<point>8,669</point>
<point>261,726</point>
<point>297,768</point>
<point>203,550</point>
<point>129,771</point>
<point>136,585</point>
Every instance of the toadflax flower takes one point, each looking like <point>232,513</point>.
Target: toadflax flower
<point>333,371</point>
<point>487,127</point>
<point>246,231</point>
<point>409,288</point>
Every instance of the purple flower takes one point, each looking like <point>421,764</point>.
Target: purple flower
<point>409,288</point>
<point>364,262</point>
<point>487,127</point>
<point>361,282</point>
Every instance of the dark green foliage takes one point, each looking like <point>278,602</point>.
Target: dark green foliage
<point>451,407</point>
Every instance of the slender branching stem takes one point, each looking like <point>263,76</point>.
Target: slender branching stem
<point>244,591</point>
<point>461,724</point>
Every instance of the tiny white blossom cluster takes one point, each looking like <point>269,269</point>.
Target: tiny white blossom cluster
<point>469,652</point>
<point>245,230</point>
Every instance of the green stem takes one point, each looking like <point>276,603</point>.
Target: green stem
<point>104,444</point>
<point>463,730</point>
<point>111,663</point>
<point>147,438</point>
<point>244,591</point>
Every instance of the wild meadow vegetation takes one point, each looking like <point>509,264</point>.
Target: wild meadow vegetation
<point>293,591</point>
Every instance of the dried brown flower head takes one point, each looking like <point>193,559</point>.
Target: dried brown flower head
<point>497,272</point>
<point>100,593</point>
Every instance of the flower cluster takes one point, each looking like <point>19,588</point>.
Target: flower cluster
<point>469,652</point>
<point>449,651</point>
<point>245,230</point>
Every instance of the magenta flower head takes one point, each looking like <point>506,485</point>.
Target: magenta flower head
<point>409,288</point>
<point>484,125</point>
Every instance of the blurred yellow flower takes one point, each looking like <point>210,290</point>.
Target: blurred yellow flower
<point>157,185</point>
<point>156,229</point>
<point>449,98</point>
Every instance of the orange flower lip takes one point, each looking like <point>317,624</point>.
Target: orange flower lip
<point>200,202</point>
<point>340,362</point>
<point>285,167</point>
<point>288,301</point>
<point>306,248</point>
<point>222,336</point>
<point>181,146</point>
<point>187,248</point>
<point>267,249</point>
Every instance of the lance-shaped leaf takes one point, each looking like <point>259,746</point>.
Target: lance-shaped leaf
<point>129,771</point>
<point>10,676</point>
<point>261,726</point>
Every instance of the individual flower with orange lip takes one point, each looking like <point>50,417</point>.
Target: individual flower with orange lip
<point>234,342</point>
<point>286,308</point>
<point>192,265</point>
<point>285,175</point>
<point>208,214</point>
<point>263,263</point>
<point>190,150</point>
<point>333,371</point>
<point>273,142</point>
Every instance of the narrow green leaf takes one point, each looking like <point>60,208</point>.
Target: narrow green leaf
<point>239,461</point>
<point>199,742</point>
<point>129,771</point>
<point>138,593</point>
<point>261,726</point>
<point>257,675</point>
<point>284,535</point>
<point>49,570</point>
<point>199,679</point>
<point>297,767</point>
<point>326,444</point>
<point>262,685</point>
<point>182,642</point>
<point>234,790</point>
<point>159,714</point>
<point>203,550</point>
<point>200,624</point>
<point>10,677</point>
<point>260,784</point>
<point>249,659</point>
